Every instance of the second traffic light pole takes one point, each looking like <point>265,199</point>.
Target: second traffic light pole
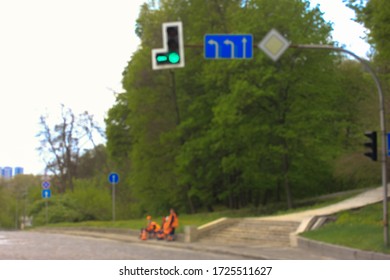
<point>382,124</point>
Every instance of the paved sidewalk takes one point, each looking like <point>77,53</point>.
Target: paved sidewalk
<point>365,198</point>
<point>262,252</point>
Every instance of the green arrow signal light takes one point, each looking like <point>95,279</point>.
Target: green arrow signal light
<point>162,58</point>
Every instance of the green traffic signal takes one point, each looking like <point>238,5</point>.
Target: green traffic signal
<point>172,53</point>
<point>169,58</point>
<point>173,57</point>
<point>161,58</point>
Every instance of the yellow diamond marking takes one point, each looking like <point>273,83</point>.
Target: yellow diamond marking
<point>274,45</point>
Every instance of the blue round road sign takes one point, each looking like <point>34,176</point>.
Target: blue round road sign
<point>113,178</point>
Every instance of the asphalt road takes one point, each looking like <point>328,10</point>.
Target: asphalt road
<point>22,245</point>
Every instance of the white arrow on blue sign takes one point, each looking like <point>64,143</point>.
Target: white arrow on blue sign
<point>113,178</point>
<point>46,193</point>
<point>228,46</point>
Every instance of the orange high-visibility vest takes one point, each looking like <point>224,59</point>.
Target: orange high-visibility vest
<point>156,226</point>
<point>173,220</point>
<point>167,228</point>
<point>153,226</point>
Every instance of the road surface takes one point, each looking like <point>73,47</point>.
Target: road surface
<point>24,245</point>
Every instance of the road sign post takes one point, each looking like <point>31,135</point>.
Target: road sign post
<point>46,194</point>
<point>113,178</point>
<point>228,46</point>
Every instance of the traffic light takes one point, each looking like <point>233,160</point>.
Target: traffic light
<point>372,144</point>
<point>172,53</point>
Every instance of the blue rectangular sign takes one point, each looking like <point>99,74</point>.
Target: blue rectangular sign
<point>46,193</point>
<point>388,144</point>
<point>228,46</point>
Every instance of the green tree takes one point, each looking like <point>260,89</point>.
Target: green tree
<point>235,133</point>
<point>93,162</point>
<point>7,207</point>
<point>118,130</point>
<point>16,197</point>
<point>374,15</point>
<point>262,113</point>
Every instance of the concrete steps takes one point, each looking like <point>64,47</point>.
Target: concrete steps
<point>264,233</point>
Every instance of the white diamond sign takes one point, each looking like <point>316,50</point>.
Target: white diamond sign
<point>274,44</point>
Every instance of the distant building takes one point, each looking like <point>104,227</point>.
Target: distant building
<point>18,170</point>
<point>6,172</point>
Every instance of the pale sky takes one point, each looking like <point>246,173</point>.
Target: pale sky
<point>74,52</point>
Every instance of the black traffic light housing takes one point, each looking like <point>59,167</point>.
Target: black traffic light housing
<point>372,145</point>
<point>172,53</point>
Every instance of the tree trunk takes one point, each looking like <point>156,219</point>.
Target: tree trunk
<point>286,182</point>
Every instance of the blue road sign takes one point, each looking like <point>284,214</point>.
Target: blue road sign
<point>46,184</point>
<point>113,178</point>
<point>46,193</point>
<point>388,144</point>
<point>228,46</point>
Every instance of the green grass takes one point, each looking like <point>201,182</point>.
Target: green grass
<point>204,218</point>
<point>360,229</point>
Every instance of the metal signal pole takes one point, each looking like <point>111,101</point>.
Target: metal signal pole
<point>382,124</point>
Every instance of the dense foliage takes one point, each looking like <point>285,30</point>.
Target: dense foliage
<point>374,15</point>
<point>236,133</point>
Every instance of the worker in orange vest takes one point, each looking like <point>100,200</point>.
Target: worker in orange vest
<point>161,233</point>
<point>167,228</point>
<point>152,227</point>
<point>173,222</point>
